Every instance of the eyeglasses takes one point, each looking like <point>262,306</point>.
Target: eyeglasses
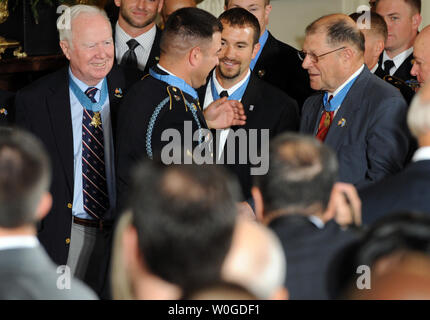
<point>314,58</point>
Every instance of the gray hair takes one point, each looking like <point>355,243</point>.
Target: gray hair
<point>419,116</point>
<point>65,20</point>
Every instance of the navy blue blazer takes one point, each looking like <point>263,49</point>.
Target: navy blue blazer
<point>408,190</point>
<point>368,133</point>
<point>309,252</point>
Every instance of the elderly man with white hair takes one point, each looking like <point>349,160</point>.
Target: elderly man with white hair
<point>73,112</point>
<point>410,189</point>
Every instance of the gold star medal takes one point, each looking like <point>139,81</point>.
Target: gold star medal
<point>96,121</point>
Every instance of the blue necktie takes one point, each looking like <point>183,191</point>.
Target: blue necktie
<point>94,185</point>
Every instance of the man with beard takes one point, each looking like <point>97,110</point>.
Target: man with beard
<point>137,38</point>
<point>265,106</point>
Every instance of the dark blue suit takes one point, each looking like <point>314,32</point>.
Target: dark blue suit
<point>309,252</point>
<point>408,190</point>
<point>368,133</point>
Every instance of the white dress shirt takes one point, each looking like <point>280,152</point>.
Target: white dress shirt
<point>398,60</point>
<point>18,242</point>
<point>146,40</point>
<point>209,99</point>
<point>422,153</point>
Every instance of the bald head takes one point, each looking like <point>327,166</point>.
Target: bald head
<point>171,6</point>
<point>255,260</point>
<point>421,68</point>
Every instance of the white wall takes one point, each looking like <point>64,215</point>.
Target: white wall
<point>289,18</point>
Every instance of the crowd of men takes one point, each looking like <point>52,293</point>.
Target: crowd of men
<point>206,159</point>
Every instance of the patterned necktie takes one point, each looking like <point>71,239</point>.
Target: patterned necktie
<point>223,94</point>
<point>388,64</point>
<point>94,185</point>
<point>325,122</point>
<point>129,59</point>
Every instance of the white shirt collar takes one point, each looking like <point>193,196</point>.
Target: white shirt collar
<point>18,242</point>
<point>145,39</point>
<point>356,73</point>
<point>317,222</point>
<point>400,58</point>
<point>375,68</point>
<point>82,85</point>
<point>167,71</point>
<point>422,153</point>
<point>230,91</point>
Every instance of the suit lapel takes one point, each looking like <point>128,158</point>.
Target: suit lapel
<point>339,126</point>
<point>404,71</point>
<point>154,55</point>
<point>250,101</point>
<point>116,83</point>
<point>61,122</point>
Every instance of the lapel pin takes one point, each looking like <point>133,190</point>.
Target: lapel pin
<point>177,97</point>
<point>3,111</point>
<point>342,122</point>
<point>251,107</point>
<point>261,73</point>
<point>118,93</point>
<point>157,58</point>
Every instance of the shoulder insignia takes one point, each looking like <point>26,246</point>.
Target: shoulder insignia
<point>3,111</point>
<point>176,94</point>
<point>145,76</point>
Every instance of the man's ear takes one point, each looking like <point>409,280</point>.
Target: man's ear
<point>65,46</point>
<point>416,20</point>
<point>347,53</point>
<point>379,48</point>
<point>258,203</point>
<point>267,10</point>
<point>255,50</point>
<point>117,3</point>
<point>160,5</point>
<point>44,206</point>
<point>195,56</point>
<point>130,246</point>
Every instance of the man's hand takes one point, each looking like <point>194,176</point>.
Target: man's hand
<point>346,204</point>
<point>223,113</point>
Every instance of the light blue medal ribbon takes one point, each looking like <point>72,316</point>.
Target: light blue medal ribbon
<point>85,101</point>
<point>181,85</point>
<point>236,95</point>
<point>337,100</point>
<point>262,41</point>
<point>175,82</point>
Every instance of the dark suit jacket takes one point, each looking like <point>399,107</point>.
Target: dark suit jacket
<point>368,133</point>
<point>309,252</point>
<point>272,109</point>
<point>136,112</point>
<point>29,274</point>
<point>403,73</point>
<point>43,108</point>
<point>409,190</point>
<point>280,65</point>
<point>134,75</point>
<point>7,108</point>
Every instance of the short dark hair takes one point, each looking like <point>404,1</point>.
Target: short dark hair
<point>338,32</point>
<point>377,23</point>
<point>266,2</point>
<point>396,232</point>
<point>302,172</point>
<point>414,4</point>
<point>24,176</point>
<point>239,17</point>
<point>188,27</point>
<point>185,217</point>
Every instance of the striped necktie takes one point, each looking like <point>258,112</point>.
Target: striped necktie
<point>94,184</point>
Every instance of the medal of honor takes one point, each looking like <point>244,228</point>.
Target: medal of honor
<point>96,120</point>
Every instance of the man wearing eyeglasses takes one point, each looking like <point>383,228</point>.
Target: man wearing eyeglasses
<point>357,114</point>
